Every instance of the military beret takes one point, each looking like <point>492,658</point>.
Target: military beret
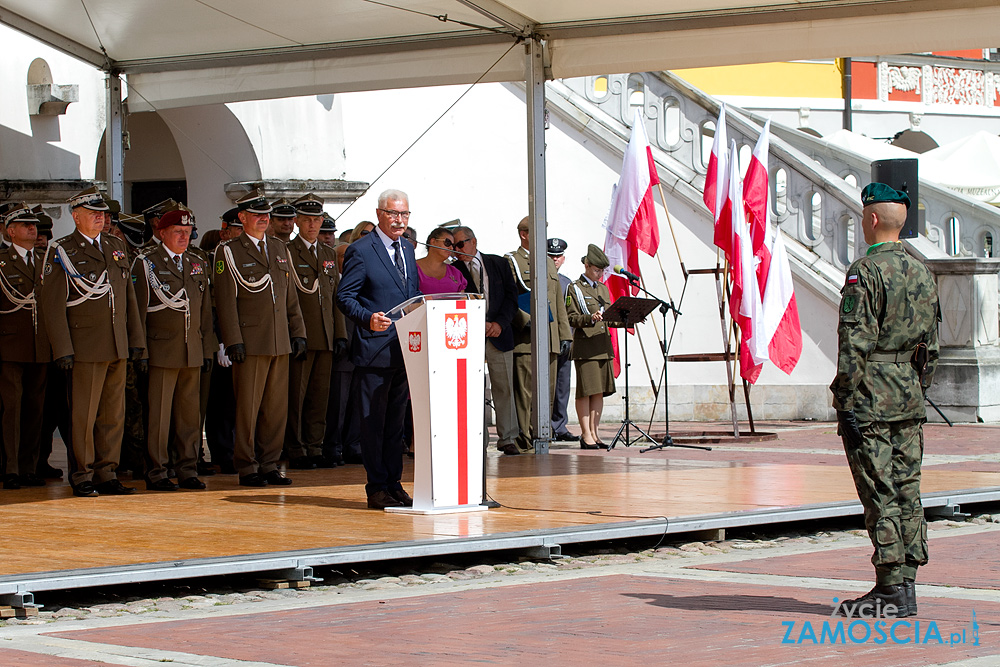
<point>253,202</point>
<point>173,218</point>
<point>282,208</point>
<point>876,193</point>
<point>19,213</point>
<point>556,247</point>
<point>309,204</point>
<point>595,257</point>
<point>524,225</point>
<point>329,224</point>
<point>91,199</point>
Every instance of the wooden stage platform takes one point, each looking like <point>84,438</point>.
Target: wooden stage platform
<point>52,540</point>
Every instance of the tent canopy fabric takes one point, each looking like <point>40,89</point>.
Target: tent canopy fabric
<point>187,52</point>
<point>971,166</point>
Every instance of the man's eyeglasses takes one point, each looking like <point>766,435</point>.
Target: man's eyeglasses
<point>396,215</point>
<point>461,244</point>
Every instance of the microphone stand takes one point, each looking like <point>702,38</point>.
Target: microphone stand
<point>665,307</point>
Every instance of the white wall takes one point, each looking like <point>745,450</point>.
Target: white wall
<point>47,147</point>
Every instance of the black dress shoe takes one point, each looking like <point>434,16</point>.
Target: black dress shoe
<point>402,496</point>
<point>253,479</point>
<point>205,469</point>
<point>566,437</point>
<point>12,482</point>
<point>113,487</point>
<point>509,450</point>
<point>324,462</point>
<point>275,478</point>
<point>45,471</point>
<point>302,463</point>
<point>382,499</point>
<point>192,484</point>
<point>31,480</point>
<point>587,445</point>
<point>602,445</point>
<point>85,490</point>
<point>161,485</point>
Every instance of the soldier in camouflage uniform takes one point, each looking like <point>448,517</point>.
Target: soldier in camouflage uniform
<point>888,353</point>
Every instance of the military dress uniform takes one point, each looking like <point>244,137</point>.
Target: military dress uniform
<point>592,352</point>
<point>888,326</point>
<point>559,331</point>
<point>24,353</point>
<point>257,307</point>
<point>176,307</point>
<point>90,313</point>
<point>314,273</point>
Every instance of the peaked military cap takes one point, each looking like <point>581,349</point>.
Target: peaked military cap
<point>329,224</point>
<point>19,213</point>
<point>282,208</point>
<point>156,210</point>
<point>876,193</point>
<point>595,257</point>
<point>134,229</point>
<point>91,199</point>
<point>231,218</point>
<point>309,204</point>
<point>44,220</point>
<point>524,225</point>
<point>253,202</point>
<point>556,247</point>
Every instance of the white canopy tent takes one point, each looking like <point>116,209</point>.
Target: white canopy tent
<point>971,166</point>
<point>191,52</point>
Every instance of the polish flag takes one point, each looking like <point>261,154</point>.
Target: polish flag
<point>781,330</point>
<point>631,223</point>
<point>717,184</point>
<point>745,303</point>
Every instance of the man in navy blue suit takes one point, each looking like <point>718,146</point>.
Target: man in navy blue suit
<point>380,272</point>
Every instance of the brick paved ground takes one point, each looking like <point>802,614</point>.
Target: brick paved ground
<point>737,602</point>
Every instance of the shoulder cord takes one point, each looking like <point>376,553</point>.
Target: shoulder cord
<point>295,275</point>
<point>580,299</point>
<point>177,302</point>
<point>87,289</point>
<point>252,286</point>
<point>517,270</point>
<point>19,300</point>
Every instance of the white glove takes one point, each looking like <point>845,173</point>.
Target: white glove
<point>221,357</point>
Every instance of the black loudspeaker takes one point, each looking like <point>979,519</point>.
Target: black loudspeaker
<point>901,174</point>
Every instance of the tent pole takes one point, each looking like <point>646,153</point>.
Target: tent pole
<point>535,102</point>
<point>114,146</point>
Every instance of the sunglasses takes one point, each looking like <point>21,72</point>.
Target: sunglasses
<point>461,244</point>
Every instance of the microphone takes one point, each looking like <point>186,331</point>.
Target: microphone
<point>625,272</point>
<point>452,249</point>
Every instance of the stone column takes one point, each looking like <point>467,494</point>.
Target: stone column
<point>967,383</point>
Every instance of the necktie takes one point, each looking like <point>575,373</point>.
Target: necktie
<point>398,258</point>
<point>28,260</point>
<point>180,263</point>
<point>263,248</point>
<point>312,249</point>
<point>97,244</point>
<point>476,270</point>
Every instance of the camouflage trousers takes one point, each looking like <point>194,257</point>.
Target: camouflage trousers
<point>886,471</point>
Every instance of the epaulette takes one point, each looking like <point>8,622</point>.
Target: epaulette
<point>145,250</point>
<point>65,239</point>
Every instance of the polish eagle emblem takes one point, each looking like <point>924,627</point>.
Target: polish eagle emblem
<point>456,331</point>
<point>414,340</point>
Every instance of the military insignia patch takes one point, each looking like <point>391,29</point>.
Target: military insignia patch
<point>852,280</point>
<point>48,268</point>
<point>220,266</point>
<point>197,269</point>
<point>281,260</point>
<point>849,302</point>
<point>118,254</point>
<point>329,264</point>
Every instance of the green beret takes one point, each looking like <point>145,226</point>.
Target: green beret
<point>876,193</point>
<point>595,257</point>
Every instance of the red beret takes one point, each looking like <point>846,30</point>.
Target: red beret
<point>175,217</point>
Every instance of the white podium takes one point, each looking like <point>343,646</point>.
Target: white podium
<point>443,337</point>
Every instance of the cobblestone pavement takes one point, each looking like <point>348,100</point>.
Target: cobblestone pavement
<point>139,625</point>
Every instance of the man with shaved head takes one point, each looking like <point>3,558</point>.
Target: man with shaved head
<point>888,352</point>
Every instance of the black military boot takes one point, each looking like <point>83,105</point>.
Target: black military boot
<point>910,588</point>
<point>873,603</point>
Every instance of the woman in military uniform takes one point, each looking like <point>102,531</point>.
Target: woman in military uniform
<point>592,354</point>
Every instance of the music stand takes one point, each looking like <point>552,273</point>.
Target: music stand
<point>625,313</point>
